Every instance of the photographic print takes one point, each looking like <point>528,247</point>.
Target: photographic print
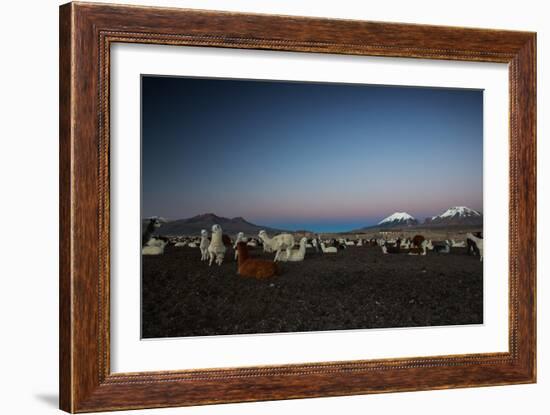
<point>281,206</point>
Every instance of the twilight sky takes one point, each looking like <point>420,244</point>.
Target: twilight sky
<point>320,156</point>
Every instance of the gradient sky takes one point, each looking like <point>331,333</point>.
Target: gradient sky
<point>318,156</point>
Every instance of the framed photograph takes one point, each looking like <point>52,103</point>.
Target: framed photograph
<point>258,207</point>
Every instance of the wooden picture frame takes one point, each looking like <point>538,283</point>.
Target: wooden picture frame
<point>86,33</point>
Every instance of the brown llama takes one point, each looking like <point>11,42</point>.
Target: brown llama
<point>417,241</point>
<point>255,268</point>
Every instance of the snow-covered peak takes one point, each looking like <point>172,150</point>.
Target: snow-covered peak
<point>461,211</point>
<point>397,217</point>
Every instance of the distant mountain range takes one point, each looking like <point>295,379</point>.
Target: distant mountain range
<point>454,216</point>
<point>458,215</point>
<point>193,226</point>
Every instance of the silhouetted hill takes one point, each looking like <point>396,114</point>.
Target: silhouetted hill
<point>193,226</point>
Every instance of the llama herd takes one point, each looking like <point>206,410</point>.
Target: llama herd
<point>214,247</point>
<point>420,246</point>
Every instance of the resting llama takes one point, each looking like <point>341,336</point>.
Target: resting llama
<point>216,248</point>
<point>443,248</point>
<point>328,249</point>
<point>388,248</point>
<point>255,268</point>
<point>153,224</point>
<point>277,243</point>
<point>154,247</point>
<point>296,255</point>
<point>420,250</point>
<point>417,241</point>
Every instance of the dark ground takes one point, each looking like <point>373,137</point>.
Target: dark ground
<point>354,289</point>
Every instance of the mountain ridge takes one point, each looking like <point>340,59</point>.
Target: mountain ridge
<point>453,216</point>
<point>194,225</point>
<point>456,215</point>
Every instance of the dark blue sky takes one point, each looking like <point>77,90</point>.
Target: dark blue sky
<point>320,156</point>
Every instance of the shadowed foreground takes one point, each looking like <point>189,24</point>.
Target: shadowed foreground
<point>354,289</point>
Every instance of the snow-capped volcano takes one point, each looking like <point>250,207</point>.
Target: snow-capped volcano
<point>458,215</point>
<point>398,219</point>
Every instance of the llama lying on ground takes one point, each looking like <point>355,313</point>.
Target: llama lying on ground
<point>180,244</point>
<point>157,241</point>
<point>277,243</point>
<point>339,244</point>
<point>153,224</point>
<point>478,242</point>
<point>421,250</point>
<point>406,244</point>
<point>216,248</point>
<point>205,243</point>
<point>458,244</point>
<point>443,248</point>
<point>296,255</point>
<point>392,249</point>
<point>417,241</point>
<point>154,247</point>
<point>328,249</point>
<point>255,268</point>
